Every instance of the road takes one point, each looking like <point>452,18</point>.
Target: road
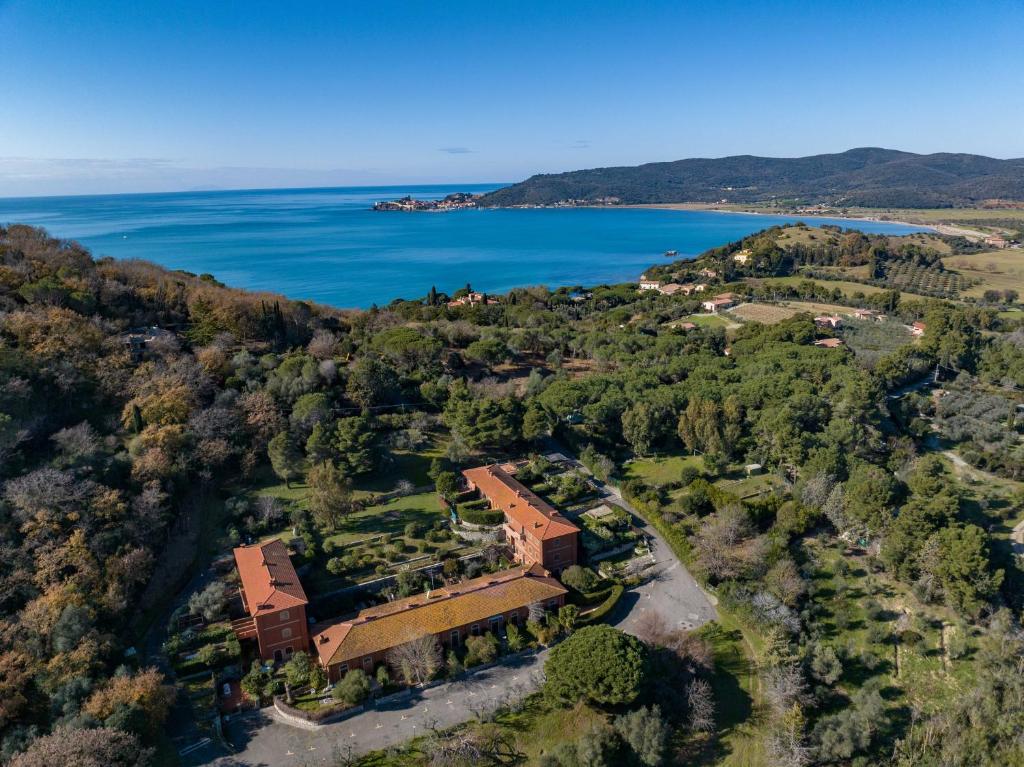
<point>260,739</point>
<point>670,591</point>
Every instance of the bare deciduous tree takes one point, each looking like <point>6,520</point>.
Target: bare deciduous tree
<point>417,660</point>
<point>702,706</point>
<point>471,748</point>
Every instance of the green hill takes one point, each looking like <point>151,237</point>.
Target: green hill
<point>867,177</point>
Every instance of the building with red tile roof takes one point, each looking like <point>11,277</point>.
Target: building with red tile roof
<point>537,532</point>
<point>450,614</point>
<point>274,599</point>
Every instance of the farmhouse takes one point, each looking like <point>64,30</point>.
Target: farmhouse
<point>742,257</point>
<point>868,314</point>
<point>649,284</point>
<point>828,321</point>
<point>473,299</point>
<point>274,599</point>
<point>537,533</point>
<point>450,615</point>
<point>670,289</point>
<point>918,328</point>
<point>721,301</point>
<point>829,343</point>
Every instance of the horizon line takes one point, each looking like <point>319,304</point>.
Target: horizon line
<point>227,190</point>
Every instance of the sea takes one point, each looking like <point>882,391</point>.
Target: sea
<point>328,246</point>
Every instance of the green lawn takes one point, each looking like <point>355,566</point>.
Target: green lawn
<point>662,470</point>
<point>745,487</point>
<point>390,517</point>
<point>741,735</point>
<point>917,672</point>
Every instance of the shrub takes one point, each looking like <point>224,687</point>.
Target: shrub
<point>910,637</point>
<point>581,579</point>
<point>515,638</point>
<point>296,671</point>
<point>481,649</point>
<point>207,655</point>
<point>957,644</point>
<point>354,688</point>
<point>606,607</point>
<point>210,603</point>
<point>689,474</point>
<point>597,663</point>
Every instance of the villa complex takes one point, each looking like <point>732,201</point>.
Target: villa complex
<point>542,540</point>
<point>537,533</point>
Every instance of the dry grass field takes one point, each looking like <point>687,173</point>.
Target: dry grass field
<point>992,270</point>
<point>769,314</point>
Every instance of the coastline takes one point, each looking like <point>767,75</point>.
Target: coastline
<point>697,206</point>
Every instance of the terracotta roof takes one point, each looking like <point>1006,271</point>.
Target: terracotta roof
<point>522,506</point>
<point>380,628</point>
<point>829,343</point>
<point>268,577</point>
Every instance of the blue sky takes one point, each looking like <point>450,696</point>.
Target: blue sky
<point>149,96</point>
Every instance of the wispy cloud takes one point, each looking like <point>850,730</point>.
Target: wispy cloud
<point>456,150</point>
<point>580,143</point>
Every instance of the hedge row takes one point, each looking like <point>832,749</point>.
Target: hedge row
<point>605,607</point>
<point>481,516</point>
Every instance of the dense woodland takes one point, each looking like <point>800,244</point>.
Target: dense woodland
<point>868,177</point>
<point>109,458</point>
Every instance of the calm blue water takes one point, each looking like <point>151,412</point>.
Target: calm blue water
<point>326,245</point>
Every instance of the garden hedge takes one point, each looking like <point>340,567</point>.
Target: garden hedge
<point>481,516</point>
<point>606,606</point>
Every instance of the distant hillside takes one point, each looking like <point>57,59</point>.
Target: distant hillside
<point>868,177</point>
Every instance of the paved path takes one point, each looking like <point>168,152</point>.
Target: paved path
<point>262,740</point>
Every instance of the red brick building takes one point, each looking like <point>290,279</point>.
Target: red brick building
<point>274,598</point>
<point>450,614</point>
<point>537,533</point>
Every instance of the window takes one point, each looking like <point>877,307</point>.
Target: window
<point>343,669</point>
<point>368,663</point>
<point>513,618</point>
<point>455,636</point>
<point>284,616</point>
<point>286,633</point>
<point>475,631</point>
<point>288,651</point>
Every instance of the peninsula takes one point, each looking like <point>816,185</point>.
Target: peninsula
<point>455,201</point>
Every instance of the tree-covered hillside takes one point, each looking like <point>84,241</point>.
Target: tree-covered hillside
<point>867,585</point>
<point>866,177</point>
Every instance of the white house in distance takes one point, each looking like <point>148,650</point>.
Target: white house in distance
<point>742,257</point>
<point>646,284</point>
<point>718,303</point>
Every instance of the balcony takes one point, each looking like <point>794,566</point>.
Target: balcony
<point>244,628</point>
